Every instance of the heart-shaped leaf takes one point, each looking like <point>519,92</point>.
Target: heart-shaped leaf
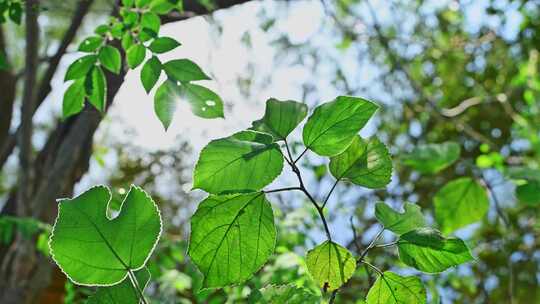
<point>231,237</point>
<point>331,265</point>
<point>93,249</point>
<point>244,162</point>
<point>391,288</point>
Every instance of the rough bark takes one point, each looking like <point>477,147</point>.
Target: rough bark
<point>59,165</point>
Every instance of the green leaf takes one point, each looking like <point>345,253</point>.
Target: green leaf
<point>80,67</point>
<point>110,58</point>
<point>204,102</point>
<point>400,223</point>
<point>184,70</point>
<point>135,55</point>
<point>331,265</point>
<point>115,245</point>
<point>281,117</point>
<point>283,294</point>
<point>150,73</point>
<point>127,41</point>
<point>163,44</point>
<point>333,125</point>
<point>141,3</point>
<point>123,292</point>
<point>239,163</point>
<point>102,29</point>
<point>15,12</point>
<point>90,44</point>
<point>231,237</point>
<point>391,288</point>
<point>432,158</point>
<point>161,7</point>
<point>165,101</point>
<point>96,88</point>
<point>128,3</point>
<point>364,163</point>
<point>529,193</point>
<point>150,21</point>
<point>73,102</point>
<point>459,203</point>
<point>427,250</point>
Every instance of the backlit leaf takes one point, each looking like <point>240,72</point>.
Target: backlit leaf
<point>397,222</point>
<point>204,102</point>
<point>281,117</point>
<point>333,125</point>
<point>184,70</point>
<point>116,245</point>
<point>365,162</point>
<point>391,288</point>
<point>243,162</point>
<point>432,158</point>
<point>90,44</point>
<point>427,250</point>
<point>283,294</point>
<point>121,293</point>
<point>459,203</point>
<point>165,102</point>
<point>330,265</point>
<point>231,237</point>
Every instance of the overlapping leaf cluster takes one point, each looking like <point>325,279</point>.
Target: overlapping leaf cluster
<point>134,37</point>
<point>233,232</point>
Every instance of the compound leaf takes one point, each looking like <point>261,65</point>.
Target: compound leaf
<point>165,102</point>
<point>96,88</point>
<point>281,117</point>
<point>400,223</point>
<point>184,70</point>
<point>90,44</point>
<point>163,44</point>
<point>121,293</point>
<point>432,158</point>
<point>73,102</point>
<point>116,245</point>
<point>244,162</point>
<point>150,73</point>
<point>365,163</point>
<point>80,67</point>
<point>391,288</point>
<point>330,265</point>
<point>110,58</point>
<point>204,102</point>
<point>427,250</point>
<point>231,237</point>
<point>459,203</point>
<point>333,125</point>
<point>135,55</point>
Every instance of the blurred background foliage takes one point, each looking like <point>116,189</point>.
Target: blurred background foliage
<point>461,71</point>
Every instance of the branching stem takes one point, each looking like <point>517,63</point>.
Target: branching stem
<point>136,286</point>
